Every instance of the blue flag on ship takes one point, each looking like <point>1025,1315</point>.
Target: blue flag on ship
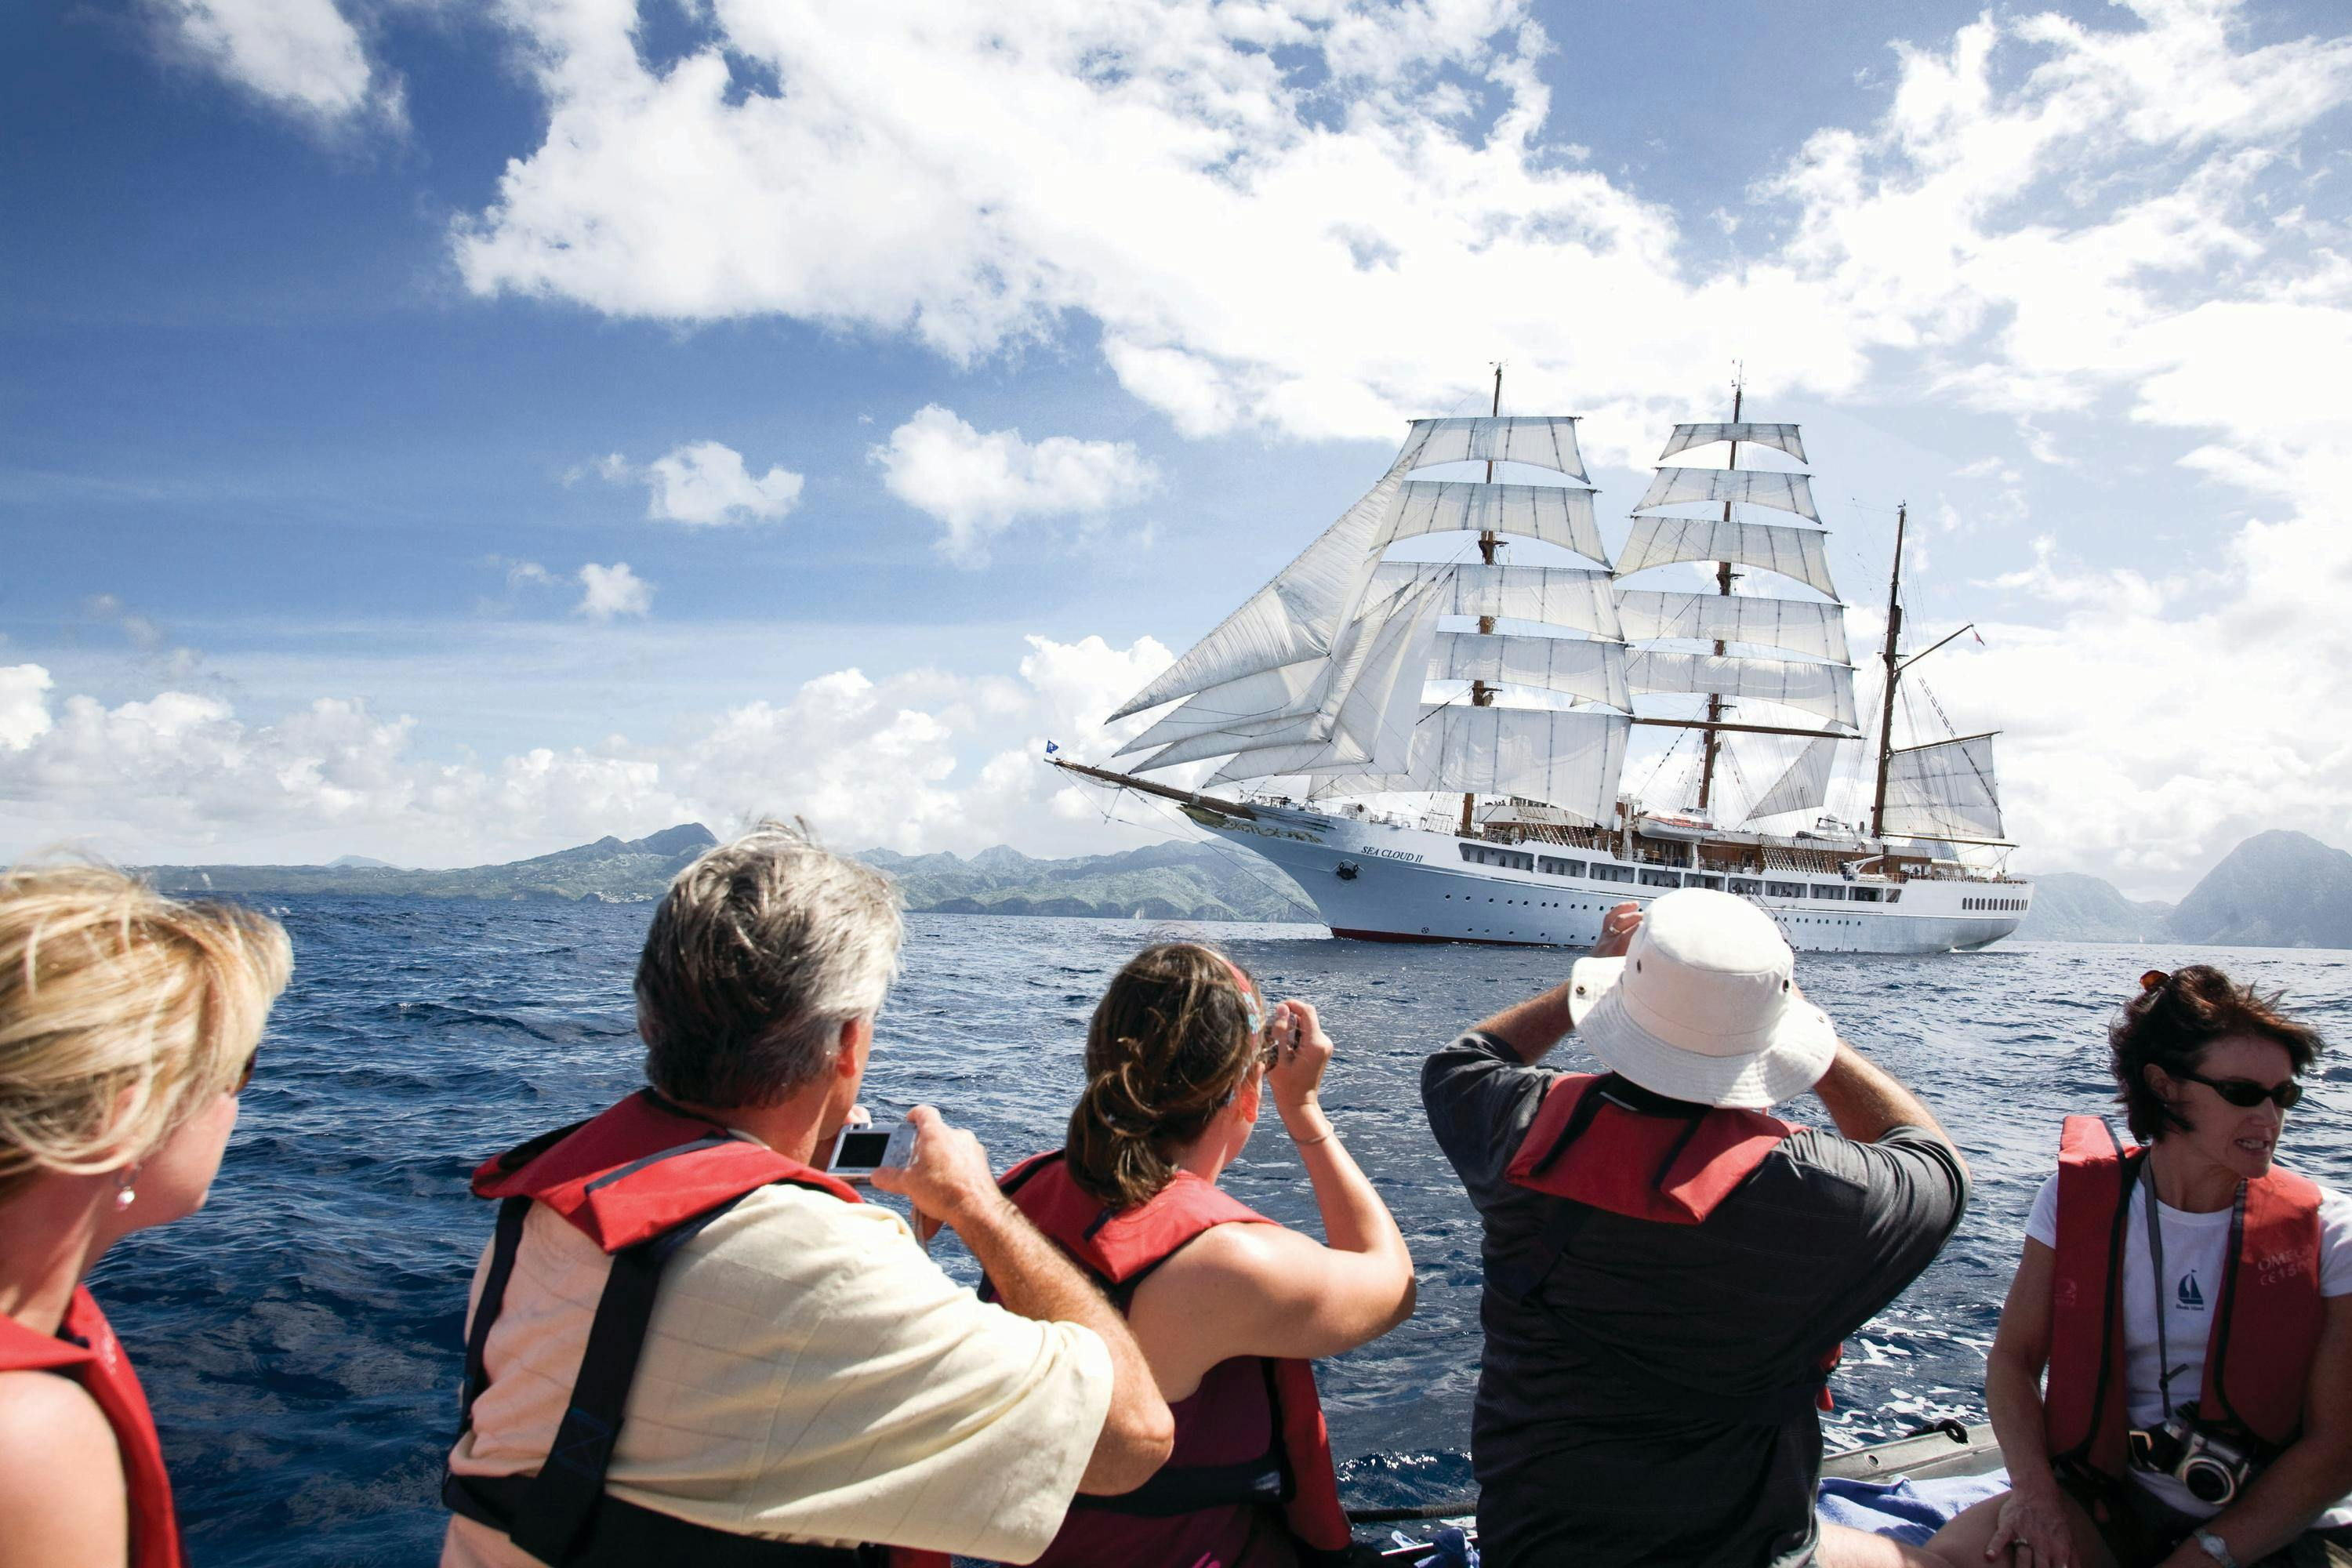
<point>1051,748</point>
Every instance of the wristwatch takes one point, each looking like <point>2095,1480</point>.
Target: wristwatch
<point>2216,1548</point>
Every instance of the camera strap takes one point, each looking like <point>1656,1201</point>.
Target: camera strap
<point>2156,1265</point>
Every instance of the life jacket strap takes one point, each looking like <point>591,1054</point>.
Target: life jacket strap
<point>571,1481</point>
<point>1189,1490</point>
<point>626,1535</point>
<point>1176,1490</point>
<point>505,1242</point>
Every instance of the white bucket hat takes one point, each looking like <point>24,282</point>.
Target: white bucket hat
<point>1702,1007</point>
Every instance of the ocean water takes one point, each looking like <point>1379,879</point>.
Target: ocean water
<point>300,1338</point>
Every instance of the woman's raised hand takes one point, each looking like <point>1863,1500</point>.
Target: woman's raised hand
<point>1301,1051</point>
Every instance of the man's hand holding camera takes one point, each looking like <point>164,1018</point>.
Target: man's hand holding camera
<point>947,1178</point>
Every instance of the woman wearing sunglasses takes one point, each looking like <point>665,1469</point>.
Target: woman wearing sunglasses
<point>2192,1302</point>
<point>1229,1307</point>
<point>127,1025</point>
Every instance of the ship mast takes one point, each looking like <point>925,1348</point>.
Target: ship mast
<point>1481,694</point>
<point>1886,715</point>
<point>1723,584</point>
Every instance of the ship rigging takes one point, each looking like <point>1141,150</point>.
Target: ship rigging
<point>1361,679</point>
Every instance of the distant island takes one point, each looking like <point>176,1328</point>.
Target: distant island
<point>2276,889</point>
<point>1187,881</point>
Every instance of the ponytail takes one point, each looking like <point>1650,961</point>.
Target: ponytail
<point>1171,1042</point>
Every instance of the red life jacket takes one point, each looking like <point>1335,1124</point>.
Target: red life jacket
<point>1590,1143</point>
<point>1671,1169</point>
<point>1121,1249</point>
<point>639,1181</point>
<point>2265,1329</point>
<point>86,1350</point>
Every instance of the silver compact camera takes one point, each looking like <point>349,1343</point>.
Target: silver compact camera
<point>2214,1469</point>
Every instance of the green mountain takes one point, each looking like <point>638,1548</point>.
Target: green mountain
<point>608,870</point>
<point>1196,881</point>
<point>2276,889</point>
<point>2071,907</point>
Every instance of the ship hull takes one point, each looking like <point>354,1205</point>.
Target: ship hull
<point>1381,882</point>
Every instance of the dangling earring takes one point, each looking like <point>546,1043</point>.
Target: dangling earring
<point>125,1194</point>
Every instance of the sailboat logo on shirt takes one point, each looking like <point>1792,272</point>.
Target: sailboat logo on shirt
<point>2189,1296</point>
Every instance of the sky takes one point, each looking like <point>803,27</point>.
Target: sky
<point>450,432</point>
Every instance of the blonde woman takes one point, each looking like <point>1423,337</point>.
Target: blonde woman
<point>128,1024</point>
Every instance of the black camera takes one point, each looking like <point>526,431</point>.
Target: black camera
<point>2214,1469</point>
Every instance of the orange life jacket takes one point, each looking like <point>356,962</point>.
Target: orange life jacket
<point>86,1350</point>
<point>1591,1142</point>
<point>1121,1248</point>
<point>2266,1329</point>
<point>639,1181</point>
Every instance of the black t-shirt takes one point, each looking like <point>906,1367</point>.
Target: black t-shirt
<point>1575,1464</point>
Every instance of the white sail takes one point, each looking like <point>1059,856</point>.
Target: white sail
<point>1269,694</point>
<point>1547,442</point>
<point>1301,612</point>
<point>1823,689</point>
<point>1798,553</point>
<point>1556,514</point>
<point>1761,486</point>
<point>1782,437</point>
<point>1344,707</point>
<point>1806,784</point>
<point>1577,666</point>
<point>1367,738</point>
<point>1567,596</point>
<point>1946,790</point>
<point>1283,763</point>
<point>1800,626</point>
<point>1567,759</point>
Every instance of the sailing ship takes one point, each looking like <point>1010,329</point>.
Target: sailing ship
<point>1357,694</point>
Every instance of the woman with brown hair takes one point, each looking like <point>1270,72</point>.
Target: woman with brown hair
<point>2192,1302</point>
<point>1228,1307</point>
<point>127,1025</point>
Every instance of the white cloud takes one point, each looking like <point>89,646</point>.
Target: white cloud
<point>611,591</point>
<point>1315,221</point>
<point>2019,218</point>
<point>705,483</point>
<point>24,707</point>
<point>978,485</point>
<point>303,57</point>
<point>867,760</point>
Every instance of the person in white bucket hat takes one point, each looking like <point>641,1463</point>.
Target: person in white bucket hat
<point>1703,1006</point>
<point>1668,1269</point>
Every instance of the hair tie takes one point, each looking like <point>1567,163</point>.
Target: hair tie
<point>2153,980</point>
<point>1249,997</point>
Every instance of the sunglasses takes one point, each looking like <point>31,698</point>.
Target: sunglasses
<point>245,1077</point>
<point>2245,1093</point>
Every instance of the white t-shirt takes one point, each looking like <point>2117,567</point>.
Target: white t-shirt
<point>2196,1258</point>
<point>808,1374</point>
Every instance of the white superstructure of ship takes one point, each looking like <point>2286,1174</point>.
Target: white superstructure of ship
<point>1432,749</point>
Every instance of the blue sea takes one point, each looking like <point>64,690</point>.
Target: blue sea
<point>300,1338</point>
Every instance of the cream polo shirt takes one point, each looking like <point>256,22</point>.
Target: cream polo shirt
<point>808,1374</point>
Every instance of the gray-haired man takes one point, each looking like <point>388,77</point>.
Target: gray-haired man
<point>733,1360</point>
